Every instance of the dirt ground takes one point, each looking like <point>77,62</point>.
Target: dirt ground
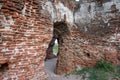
<point>50,66</point>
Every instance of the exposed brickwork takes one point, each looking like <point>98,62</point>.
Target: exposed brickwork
<point>26,28</point>
<point>24,35</point>
<point>95,36</point>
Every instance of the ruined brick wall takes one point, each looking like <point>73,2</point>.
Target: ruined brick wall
<point>25,31</point>
<point>26,28</point>
<point>95,36</point>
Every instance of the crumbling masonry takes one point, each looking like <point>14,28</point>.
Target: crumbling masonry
<point>92,32</point>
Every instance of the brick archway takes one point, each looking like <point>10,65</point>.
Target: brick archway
<point>60,29</point>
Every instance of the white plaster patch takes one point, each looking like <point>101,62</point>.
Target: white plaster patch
<point>16,50</point>
<point>24,10</point>
<point>6,23</point>
<point>107,6</point>
<point>20,63</point>
<point>45,45</point>
<point>7,27</point>
<point>83,16</point>
<point>64,11</point>
<point>4,50</point>
<point>58,12</point>
<point>30,10</point>
<point>5,78</point>
<point>10,21</point>
<point>1,5</point>
<point>51,10</point>
<point>4,44</point>
<point>114,38</point>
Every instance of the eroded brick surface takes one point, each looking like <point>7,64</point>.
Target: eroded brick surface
<point>95,36</point>
<point>26,28</point>
<point>24,34</point>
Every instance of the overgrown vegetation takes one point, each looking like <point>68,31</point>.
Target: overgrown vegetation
<point>55,49</point>
<point>102,71</point>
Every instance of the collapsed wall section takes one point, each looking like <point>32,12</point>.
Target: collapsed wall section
<point>26,28</point>
<point>95,36</point>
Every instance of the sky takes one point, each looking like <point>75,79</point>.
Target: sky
<point>77,0</point>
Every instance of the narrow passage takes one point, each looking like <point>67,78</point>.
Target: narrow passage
<point>50,66</point>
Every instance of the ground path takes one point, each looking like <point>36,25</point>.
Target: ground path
<point>50,66</point>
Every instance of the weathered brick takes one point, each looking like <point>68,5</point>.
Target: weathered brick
<point>26,29</point>
<point>21,40</point>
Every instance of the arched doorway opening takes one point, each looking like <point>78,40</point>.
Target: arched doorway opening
<point>60,29</point>
<point>56,48</point>
<point>59,32</point>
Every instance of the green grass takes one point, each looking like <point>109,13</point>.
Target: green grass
<point>102,71</point>
<point>55,49</point>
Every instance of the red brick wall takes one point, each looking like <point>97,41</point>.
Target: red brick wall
<point>26,28</point>
<point>25,31</point>
<point>96,36</point>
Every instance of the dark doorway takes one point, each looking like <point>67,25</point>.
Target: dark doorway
<point>60,28</point>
